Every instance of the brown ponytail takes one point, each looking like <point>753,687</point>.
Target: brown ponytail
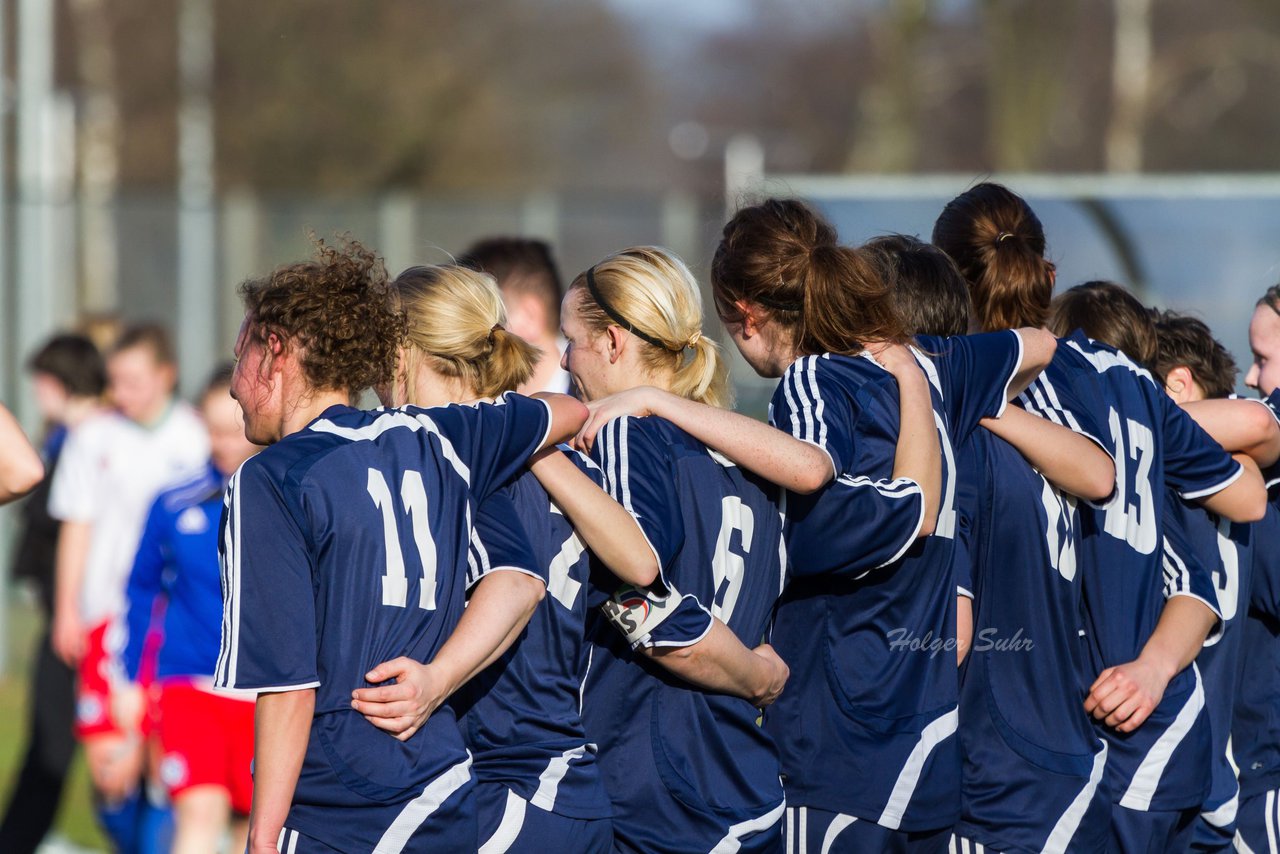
<point>998,244</point>
<point>784,258</point>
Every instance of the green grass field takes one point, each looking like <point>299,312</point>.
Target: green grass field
<point>75,819</point>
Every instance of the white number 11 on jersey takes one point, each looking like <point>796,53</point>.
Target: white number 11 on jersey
<point>395,584</point>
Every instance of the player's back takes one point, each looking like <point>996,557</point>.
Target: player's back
<point>1033,762</point>
<point>521,717</point>
<point>880,706</point>
<point>668,749</point>
<point>1124,553</point>
<point>345,546</point>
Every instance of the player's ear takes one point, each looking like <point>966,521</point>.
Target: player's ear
<point>1177,382</point>
<point>750,320</point>
<point>615,340</point>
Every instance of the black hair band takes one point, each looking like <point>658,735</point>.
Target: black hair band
<point>618,318</point>
<point>779,305</point>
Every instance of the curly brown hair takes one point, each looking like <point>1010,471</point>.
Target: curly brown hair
<point>336,310</point>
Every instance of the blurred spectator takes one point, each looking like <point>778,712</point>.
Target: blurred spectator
<point>113,467</point>
<point>530,284</point>
<point>69,377</point>
<point>206,739</point>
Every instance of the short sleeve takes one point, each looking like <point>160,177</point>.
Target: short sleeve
<point>495,440</point>
<point>1186,574</point>
<point>269,617</point>
<point>638,476</point>
<point>76,491</point>
<point>811,406</point>
<point>649,619</point>
<point>499,542</point>
<point>1271,474</point>
<point>1071,399</point>
<point>144,587</point>
<point>978,370</point>
<point>1194,464</point>
<point>585,464</point>
<point>882,517</point>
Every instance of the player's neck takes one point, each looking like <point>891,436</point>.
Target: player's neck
<point>433,389</point>
<point>310,408</point>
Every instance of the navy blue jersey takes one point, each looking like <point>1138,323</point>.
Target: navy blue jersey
<point>686,770</point>
<point>865,724</point>
<point>1227,549</point>
<point>1124,553</point>
<point>521,717</point>
<point>344,545</point>
<point>178,559</point>
<point>1033,763</point>
<point>1255,728</point>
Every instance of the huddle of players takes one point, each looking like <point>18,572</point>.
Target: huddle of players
<point>603,679</point>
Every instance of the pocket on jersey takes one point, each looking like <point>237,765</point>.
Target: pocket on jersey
<point>378,766</point>
<point>711,755</point>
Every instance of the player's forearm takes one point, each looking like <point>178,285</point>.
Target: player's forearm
<point>918,455</point>
<point>1245,500</point>
<point>1070,461</point>
<point>1179,635</point>
<point>500,608</point>
<point>1239,425</point>
<point>71,554</point>
<point>1038,347</point>
<point>758,447</point>
<point>281,729</point>
<point>20,466</point>
<point>567,417</point>
<point>604,525</point>
<point>719,662</point>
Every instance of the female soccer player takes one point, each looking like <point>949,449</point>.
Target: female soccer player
<point>206,739</point>
<point>998,245</point>
<point>685,764</point>
<point>866,450</point>
<point>538,783</point>
<point>323,580</point>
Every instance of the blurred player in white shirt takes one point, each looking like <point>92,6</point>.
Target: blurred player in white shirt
<point>113,467</point>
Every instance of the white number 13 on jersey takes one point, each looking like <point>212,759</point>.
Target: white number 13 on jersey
<point>395,584</point>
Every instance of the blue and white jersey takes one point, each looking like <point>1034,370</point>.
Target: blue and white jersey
<point>1255,728</point>
<point>686,770</point>
<point>178,559</point>
<point>868,621</point>
<point>521,718</point>
<point>1124,553</point>
<point>1226,548</point>
<point>1033,764</point>
<point>344,545</point>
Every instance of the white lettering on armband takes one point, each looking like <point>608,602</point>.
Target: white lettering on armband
<point>637,611</point>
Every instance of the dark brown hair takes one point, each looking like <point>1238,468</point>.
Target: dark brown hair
<point>998,245</point>
<point>521,266</point>
<point>1108,313</point>
<point>1186,341</point>
<point>1271,299</point>
<point>336,310</point>
<point>928,289</point>
<point>782,256</point>
<point>154,337</point>
<point>73,361</point>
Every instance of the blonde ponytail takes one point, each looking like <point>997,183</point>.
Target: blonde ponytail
<point>456,324</point>
<point>651,293</point>
<point>704,376</point>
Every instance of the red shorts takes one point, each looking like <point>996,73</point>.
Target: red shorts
<point>207,741</point>
<point>93,693</point>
